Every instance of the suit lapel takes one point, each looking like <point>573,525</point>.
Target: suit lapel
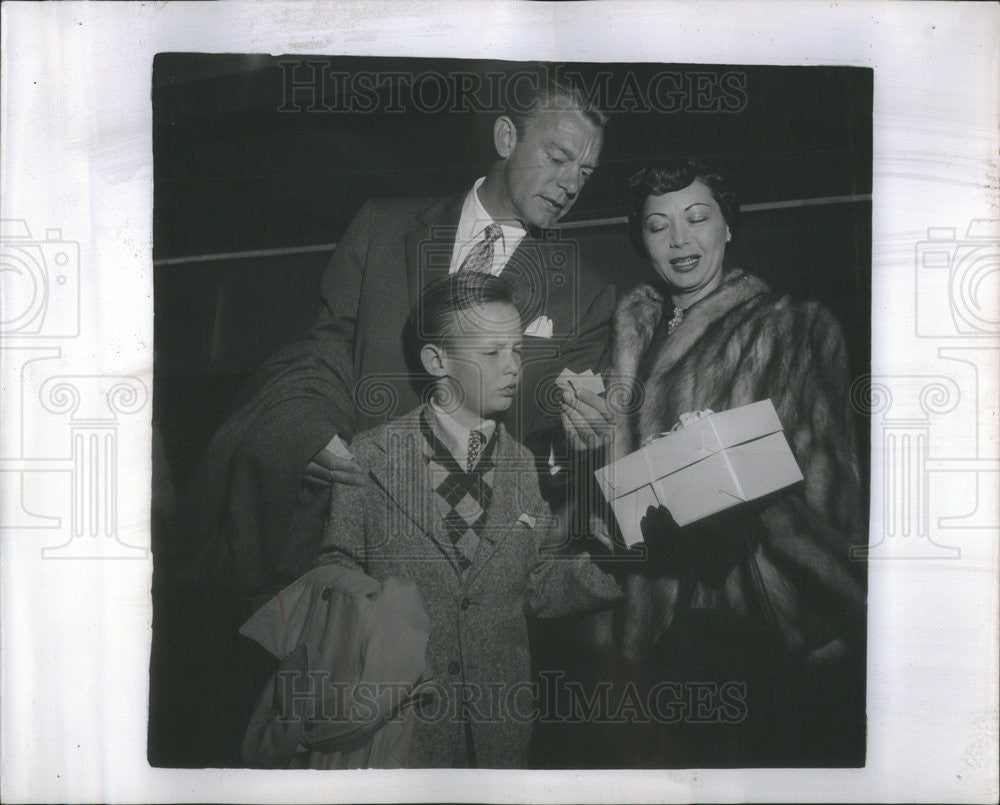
<point>430,243</point>
<point>543,273</point>
<point>402,474</point>
<point>525,276</point>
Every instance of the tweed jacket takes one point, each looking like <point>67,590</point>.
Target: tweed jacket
<point>736,346</point>
<point>478,645</point>
<point>253,524</point>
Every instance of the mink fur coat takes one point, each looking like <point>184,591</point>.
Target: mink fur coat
<point>739,345</point>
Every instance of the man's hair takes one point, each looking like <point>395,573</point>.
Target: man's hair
<point>548,94</point>
<point>667,177</point>
<point>438,314</point>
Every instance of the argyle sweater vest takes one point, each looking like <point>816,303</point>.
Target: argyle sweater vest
<point>462,496</point>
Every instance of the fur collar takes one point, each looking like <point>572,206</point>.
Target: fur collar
<point>637,317</point>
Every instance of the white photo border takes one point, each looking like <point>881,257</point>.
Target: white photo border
<point>77,188</point>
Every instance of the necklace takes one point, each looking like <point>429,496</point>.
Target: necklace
<point>735,276</point>
<point>675,322</point>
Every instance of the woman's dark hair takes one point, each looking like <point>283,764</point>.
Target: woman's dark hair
<point>666,177</point>
<point>437,316</point>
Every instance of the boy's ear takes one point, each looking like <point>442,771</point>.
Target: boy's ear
<point>434,360</point>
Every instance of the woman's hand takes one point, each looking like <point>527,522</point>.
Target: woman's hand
<point>586,419</point>
<point>707,550</point>
<point>663,540</point>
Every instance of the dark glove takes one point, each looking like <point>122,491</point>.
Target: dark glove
<point>707,550</point>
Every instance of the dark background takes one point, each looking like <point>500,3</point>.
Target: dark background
<point>235,172</point>
<point>238,169</point>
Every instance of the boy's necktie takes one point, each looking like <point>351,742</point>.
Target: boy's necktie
<point>476,441</point>
<point>481,256</point>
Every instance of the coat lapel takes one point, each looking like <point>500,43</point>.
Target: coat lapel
<point>430,243</point>
<point>401,471</point>
<point>636,320</point>
<point>530,272</point>
<point>527,273</point>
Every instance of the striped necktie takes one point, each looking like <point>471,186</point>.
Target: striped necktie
<point>481,256</point>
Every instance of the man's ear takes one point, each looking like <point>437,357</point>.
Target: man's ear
<point>504,136</point>
<point>434,360</point>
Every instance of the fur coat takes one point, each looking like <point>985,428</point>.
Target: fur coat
<point>739,345</point>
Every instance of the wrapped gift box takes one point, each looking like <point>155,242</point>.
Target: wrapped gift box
<point>704,467</point>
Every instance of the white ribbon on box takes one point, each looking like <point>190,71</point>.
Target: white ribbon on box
<point>683,421</point>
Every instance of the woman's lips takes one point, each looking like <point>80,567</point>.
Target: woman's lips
<point>685,263</point>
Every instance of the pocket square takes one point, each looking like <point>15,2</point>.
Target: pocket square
<point>540,328</point>
<point>527,519</point>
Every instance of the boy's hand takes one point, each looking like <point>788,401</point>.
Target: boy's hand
<point>586,419</point>
<point>327,468</point>
<point>599,531</point>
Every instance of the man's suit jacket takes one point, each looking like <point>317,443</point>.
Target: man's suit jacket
<point>391,250</point>
<point>478,646</point>
<point>254,524</point>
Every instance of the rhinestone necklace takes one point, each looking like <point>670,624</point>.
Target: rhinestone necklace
<point>675,322</point>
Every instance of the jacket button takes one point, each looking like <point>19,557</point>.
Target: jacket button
<point>454,668</point>
<point>327,592</point>
<point>464,603</point>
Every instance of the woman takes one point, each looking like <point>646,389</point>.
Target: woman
<point>765,593</point>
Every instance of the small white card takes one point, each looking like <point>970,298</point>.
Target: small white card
<point>337,446</point>
<point>571,381</point>
<point>540,328</point>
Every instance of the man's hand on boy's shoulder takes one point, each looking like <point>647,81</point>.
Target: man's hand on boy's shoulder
<point>334,465</point>
<point>587,420</point>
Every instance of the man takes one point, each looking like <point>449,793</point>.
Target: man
<point>263,489</point>
<point>259,503</point>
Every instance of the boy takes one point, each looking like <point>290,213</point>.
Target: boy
<point>455,507</point>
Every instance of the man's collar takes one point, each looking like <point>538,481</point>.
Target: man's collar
<point>511,228</point>
<point>475,218</point>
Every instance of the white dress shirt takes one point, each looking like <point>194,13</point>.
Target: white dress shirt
<point>455,436</point>
<point>473,220</point>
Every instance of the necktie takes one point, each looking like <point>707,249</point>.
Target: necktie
<point>476,441</point>
<point>481,256</point>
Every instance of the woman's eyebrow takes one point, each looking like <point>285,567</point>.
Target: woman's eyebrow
<point>697,203</point>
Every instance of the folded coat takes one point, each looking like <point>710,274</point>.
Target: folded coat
<point>352,651</point>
